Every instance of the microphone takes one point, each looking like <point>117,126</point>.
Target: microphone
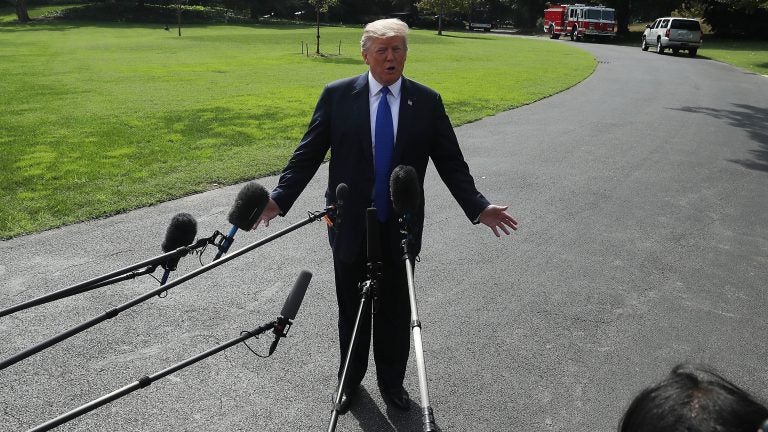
<point>373,251</point>
<point>249,203</point>
<point>373,243</point>
<point>341,194</point>
<point>290,308</point>
<point>181,232</point>
<point>406,190</point>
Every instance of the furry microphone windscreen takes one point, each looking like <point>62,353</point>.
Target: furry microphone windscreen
<point>249,203</point>
<point>405,188</point>
<point>181,232</point>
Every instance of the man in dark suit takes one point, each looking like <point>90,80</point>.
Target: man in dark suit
<point>348,121</point>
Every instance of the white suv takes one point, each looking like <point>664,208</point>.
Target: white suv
<point>674,33</point>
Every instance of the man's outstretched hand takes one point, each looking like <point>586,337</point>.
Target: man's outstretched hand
<point>270,212</point>
<point>497,218</point>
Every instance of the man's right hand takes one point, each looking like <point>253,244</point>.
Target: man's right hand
<point>269,213</point>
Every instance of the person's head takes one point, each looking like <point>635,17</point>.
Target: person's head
<point>693,399</point>
<point>384,47</point>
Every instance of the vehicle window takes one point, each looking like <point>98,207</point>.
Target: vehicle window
<point>607,15</point>
<point>592,14</point>
<point>656,24</point>
<point>680,24</point>
<point>664,23</point>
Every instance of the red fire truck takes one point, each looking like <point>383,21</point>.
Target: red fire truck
<point>580,21</point>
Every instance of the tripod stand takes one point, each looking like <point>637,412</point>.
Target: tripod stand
<point>368,291</point>
<point>428,417</point>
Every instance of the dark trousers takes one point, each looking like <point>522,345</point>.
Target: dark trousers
<point>391,318</point>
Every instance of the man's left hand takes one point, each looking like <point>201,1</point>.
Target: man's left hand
<point>497,218</point>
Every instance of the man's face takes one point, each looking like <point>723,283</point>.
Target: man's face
<point>386,59</point>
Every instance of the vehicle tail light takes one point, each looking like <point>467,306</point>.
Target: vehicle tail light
<point>666,34</point>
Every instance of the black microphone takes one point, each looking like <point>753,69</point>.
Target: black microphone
<point>373,250</point>
<point>249,203</point>
<point>406,190</point>
<point>341,194</point>
<point>373,246</point>
<point>290,308</point>
<point>181,232</point>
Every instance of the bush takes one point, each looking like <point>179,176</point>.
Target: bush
<point>124,12</point>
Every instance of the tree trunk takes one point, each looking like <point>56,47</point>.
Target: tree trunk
<point>21,11</point>
<point>318,31</point>
<point>469,16</point>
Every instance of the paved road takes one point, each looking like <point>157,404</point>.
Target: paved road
<point>641,194</point>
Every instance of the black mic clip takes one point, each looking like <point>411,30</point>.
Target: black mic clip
<point>370,285</point>
<point>199,246</point>
<point>405,223</point>
<point>282,325</point>
<point>195,248</point>
<point>219,239</point>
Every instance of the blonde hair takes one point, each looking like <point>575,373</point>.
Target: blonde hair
<point>384,28</point>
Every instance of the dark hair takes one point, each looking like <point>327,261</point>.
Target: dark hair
<point>693,399</point>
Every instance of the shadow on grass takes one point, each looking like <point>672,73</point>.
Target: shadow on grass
<point>468,36</point>
<point>749,118</point>
<point>36,25</point>
<point>48,24</point>
<point>337,59</point>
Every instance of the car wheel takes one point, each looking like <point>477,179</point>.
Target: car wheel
<point>644,45</point>
<point>675,51</point>
<point>659,47</point>
<point>551,31</point>
<point>692,52</point>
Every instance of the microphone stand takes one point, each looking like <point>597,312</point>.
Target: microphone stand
<point>110,278</point>
<point>428,417</point>
<point>117,310</point>
<point>368,288</point>
<point>147,380</point>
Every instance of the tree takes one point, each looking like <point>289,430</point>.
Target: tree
<point>622,8</point>
<point>21,11</point>
<point>529,12</point>
<point>742,18</point>
<point>649,11</point>
<point>443,8</point>
<point>321,6</point>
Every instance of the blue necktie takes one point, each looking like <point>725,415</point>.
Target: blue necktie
<point>384,142</point>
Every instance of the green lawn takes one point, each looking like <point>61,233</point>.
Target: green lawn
<point>745,54</point>
<point>97,119</point>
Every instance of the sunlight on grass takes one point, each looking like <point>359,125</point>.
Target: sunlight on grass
<point>99,119</point>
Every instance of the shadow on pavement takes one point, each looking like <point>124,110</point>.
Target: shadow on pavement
<point>749,118</point>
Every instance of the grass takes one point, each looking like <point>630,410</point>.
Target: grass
<point>98,119</point>
<point>751,55</point>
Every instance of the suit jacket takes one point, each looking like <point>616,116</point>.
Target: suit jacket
<point>341,124</point>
